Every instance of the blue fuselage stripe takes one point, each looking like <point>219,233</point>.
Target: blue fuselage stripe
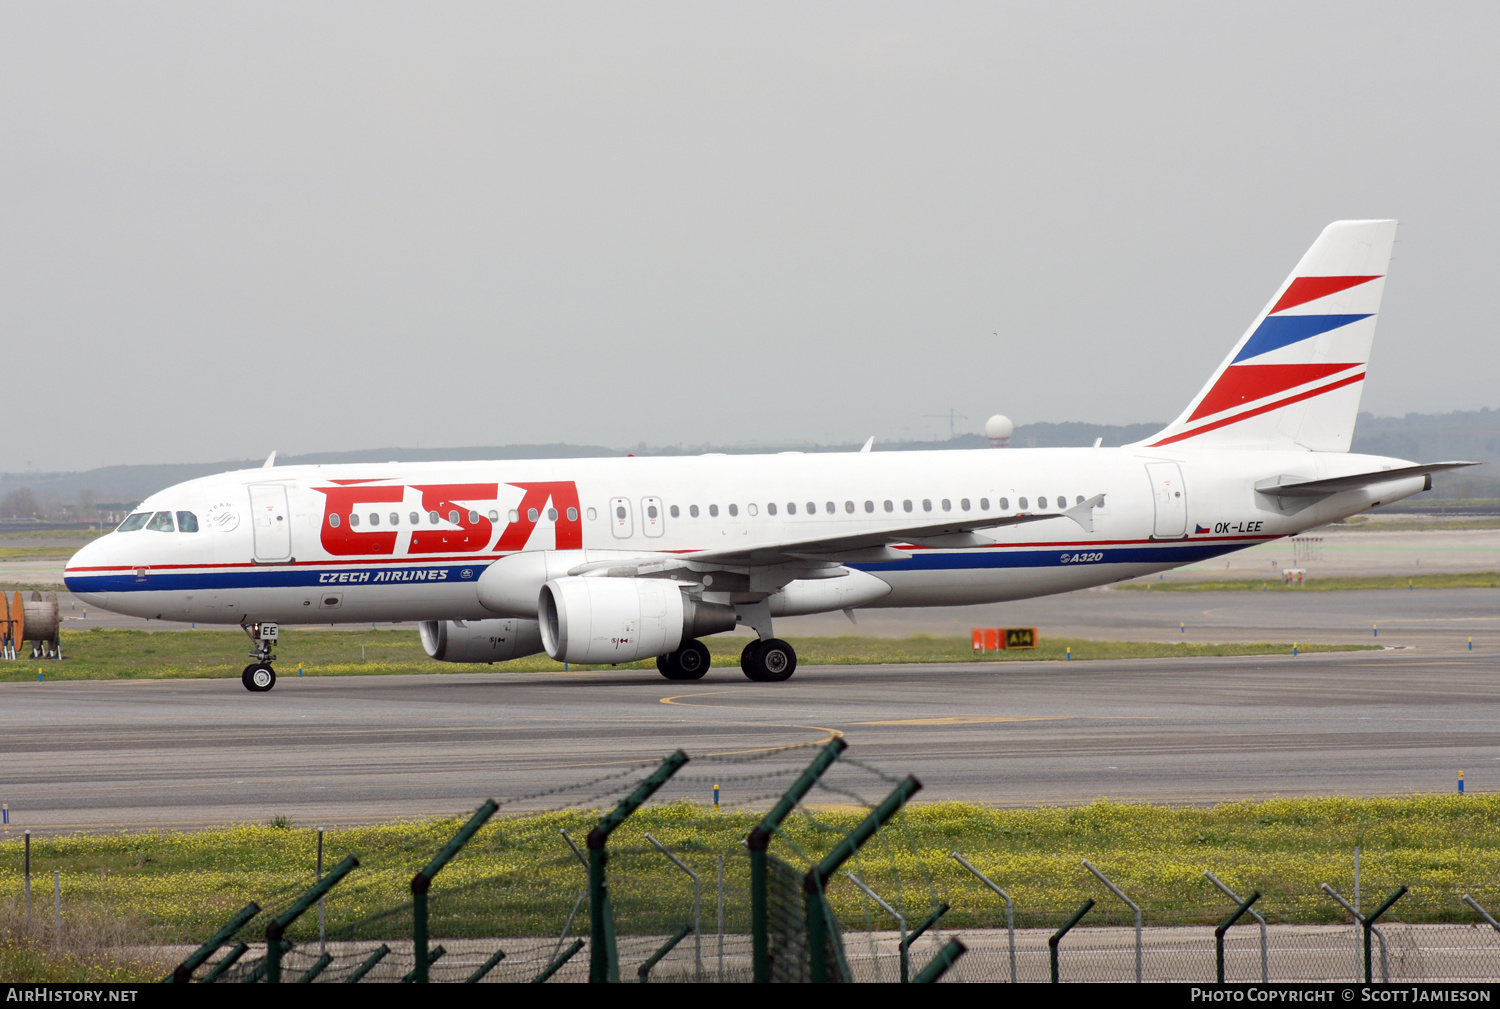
<point>1172,553</point>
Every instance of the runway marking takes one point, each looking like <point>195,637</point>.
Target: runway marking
<point>970,720</point>
<point>676,699</point>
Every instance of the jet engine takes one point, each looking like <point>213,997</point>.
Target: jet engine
<point>480,640</point>
<point>609,620</point>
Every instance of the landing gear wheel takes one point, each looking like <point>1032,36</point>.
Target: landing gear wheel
<point>689,662</point>
<point>258,677</point>
<point>772,661</point>
<point>747,658</point>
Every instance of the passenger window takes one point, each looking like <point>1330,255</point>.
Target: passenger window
<point>353,520</point>
<point>1004,504</point>
<point>964,504</point>
<point>673,510</point>
<point>494,516</point>
<point>927,504</point>
<point>374,519</point>
<point>812,507</point>
<point>906,505</point>
<point>849,507</point>
<point>791,507</point>
<point>651,512</point>
<point>770,507</point>
<point>619,513</point>
<point>734,510</point>
<point>572,514</point>
<point>515,516</point>
<point>453,517</point>
<point>831,508</point>
<point>395,519</point>
<point>333,520</point>
<point>1041,502</point>
<point>133,522</point>
<point>187,522</point>
<point>1080,499</point>
<point>984,504</point>
<point>713,511</point>
<point>416,518</point>
<point>161,522</point>
<point>432,517</point>
<point>551,514</point>
<point>947,505</point>
<point>890,507</point>
<point>693,511</point>
<point>591,513</point>
<point>752,509</point>
<point>532,514</point>
<point>1022,504</point>
<point>869,507</point>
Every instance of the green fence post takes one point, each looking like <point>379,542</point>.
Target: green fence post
<point>320,965</point>
<point>1369,922</point>
<point>604,965</point>
<point>915,934</point>
<point>813,884</point>
<point>485,967</point>
<point>433,957</point>
<point>422,882</point>
<point>183,972</point>
<point>1224,927</point>
<point>1068,927</point>
<point>644,970</point>
<point>760,839</point>
<point>941,961</point>
<point>557,963</point>
<point>368,965</point>
<point>230,959</point>
<point>277,928</point>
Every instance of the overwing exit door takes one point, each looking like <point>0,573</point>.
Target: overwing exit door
<point>272,522</point>
<point>1171,500</point>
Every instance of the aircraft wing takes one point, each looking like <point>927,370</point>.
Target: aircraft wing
<point>1294,487</point>
<point>874,545</point>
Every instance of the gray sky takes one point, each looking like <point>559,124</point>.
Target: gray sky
<point>231,228</point>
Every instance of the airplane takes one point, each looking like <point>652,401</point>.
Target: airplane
<point>613,560</point>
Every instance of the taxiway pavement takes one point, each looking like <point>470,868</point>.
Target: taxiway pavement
<point>174,753</point>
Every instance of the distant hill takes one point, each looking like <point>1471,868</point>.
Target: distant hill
<point>1473,435</point>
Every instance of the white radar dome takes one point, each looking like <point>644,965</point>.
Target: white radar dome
<point>998,430</point>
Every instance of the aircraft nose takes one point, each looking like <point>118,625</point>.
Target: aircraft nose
<point>83,568</point>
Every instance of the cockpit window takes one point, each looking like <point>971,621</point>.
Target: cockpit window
<point>161,522</point>
<point>133,522</point>
<point>187,522</point>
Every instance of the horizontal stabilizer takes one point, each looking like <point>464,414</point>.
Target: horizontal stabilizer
<point>1295,487</point>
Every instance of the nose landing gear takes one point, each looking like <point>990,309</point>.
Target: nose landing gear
<point>258,676</point>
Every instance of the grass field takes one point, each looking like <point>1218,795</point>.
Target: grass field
<point>1424,524</point>
<point>518,877</point>
<point>1462,580</point>
<point>112,654</point>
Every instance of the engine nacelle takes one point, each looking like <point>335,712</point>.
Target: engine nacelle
<point>607,620</point>
<point>510,585</point>
<point>480,640</point>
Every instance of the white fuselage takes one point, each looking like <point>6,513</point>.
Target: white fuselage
<point>282,544</point>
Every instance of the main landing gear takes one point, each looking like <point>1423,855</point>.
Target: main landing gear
<point>689,662</point>
<point>768,661</point>
<point>258,676</point>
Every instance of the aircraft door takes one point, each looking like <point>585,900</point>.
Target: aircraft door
<point>619,517</point>
<point>1171,500</point>
<point>652,523</point>
<point>272,522</point>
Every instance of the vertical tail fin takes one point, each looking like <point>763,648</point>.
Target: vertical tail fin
<point>1294,379</point>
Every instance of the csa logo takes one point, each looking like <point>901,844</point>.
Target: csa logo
<point>223,517</point>
<point>466,574</point>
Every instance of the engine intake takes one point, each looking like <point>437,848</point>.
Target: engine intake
<point>480,640</point>
<point>608,620</point>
